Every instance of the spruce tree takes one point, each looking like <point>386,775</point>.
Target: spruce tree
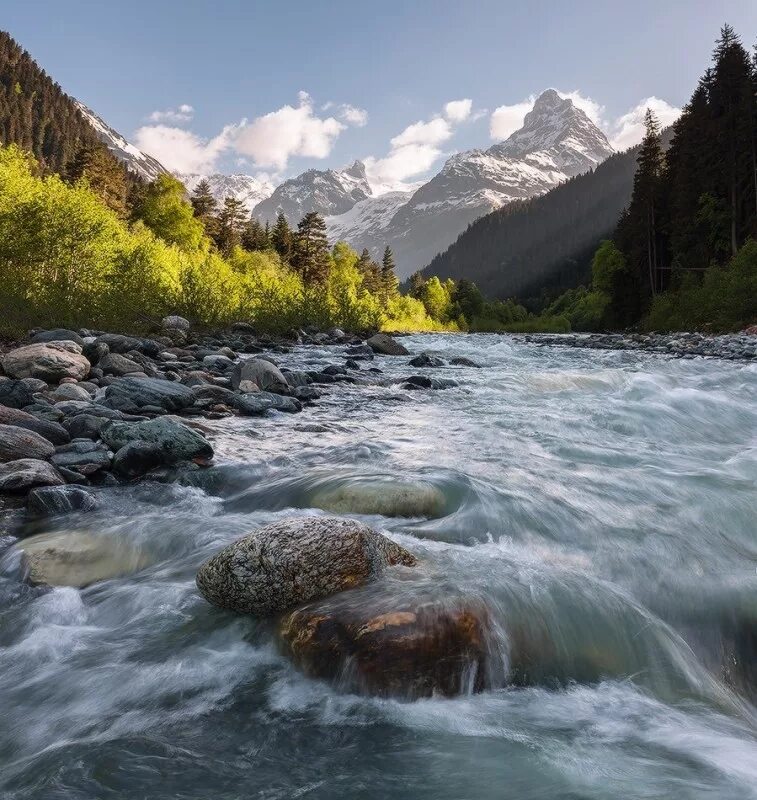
<point>255,236</point>
<point>311,249</point>
<point>95,165</point>
<point>389,282</point>
<point>282,239</point>
<point>203,202</point>
<point>231,225</point>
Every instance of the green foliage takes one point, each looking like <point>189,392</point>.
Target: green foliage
<point>722,299</point>
<point>168,215</point>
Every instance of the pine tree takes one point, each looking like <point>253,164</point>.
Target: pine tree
<point>255,236</point>
<point>94,164</point>
<point>203,202</point>
<point>417,282</point>
<point>282,239</point>
<point>231,225</point>
<point>311,249</point>
<point>389,282</point>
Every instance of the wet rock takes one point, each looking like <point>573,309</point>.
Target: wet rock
<point>383,647</point>
<point>263,373</point>
<point>385,497</point>
<point>117,343</point>
<point>260,402</point>
<point>50,501</point>
<point>176,323</point>
<point>296,378</point>
<point>461,361</point>
<point>15,394</point>
<point>385,344</point>
<point>25,473</point>
<point>175,441</point>
<point>424,382</point>
<point>17,443</point>
<point>426,360</point>
<point>247,387</point>
<point>48,361</point>
<point>51,431</point>
<point>84,426</point>
<point>71,391</point>
<point>117,364</point>
<point>217,362</point>
<point>76,558</point>
<point>306,394</point>
<point>84,456</point>
<point>138,458</point>
<point>295,561</point>
<point>361,352</point>
<point>57,335</point>
<point>133,394</point>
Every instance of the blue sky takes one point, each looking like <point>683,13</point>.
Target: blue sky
<point>373,72</point>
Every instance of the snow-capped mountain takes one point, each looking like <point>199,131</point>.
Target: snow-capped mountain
<point>329,192</point>
<point>247,188</point>
<point>366,223</point>
<point>135,160</point>
<point>557,141</point>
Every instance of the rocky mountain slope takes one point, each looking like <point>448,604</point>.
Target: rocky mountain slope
<point>247,188</point>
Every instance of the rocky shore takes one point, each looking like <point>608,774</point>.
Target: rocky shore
<point>732,347</point>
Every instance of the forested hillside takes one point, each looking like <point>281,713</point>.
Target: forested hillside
<point>543,245</point>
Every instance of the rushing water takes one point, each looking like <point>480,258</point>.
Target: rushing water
<point>602,505</point>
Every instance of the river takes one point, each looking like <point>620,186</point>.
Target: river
<point>601,503</point>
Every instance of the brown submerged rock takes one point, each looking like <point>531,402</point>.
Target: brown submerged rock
<point>294,561</point>
<point>407,652</point>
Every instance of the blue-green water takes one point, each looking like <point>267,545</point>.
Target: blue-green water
<point>602,505</point>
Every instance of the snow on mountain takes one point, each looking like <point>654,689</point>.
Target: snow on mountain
<point>366,223</point>
<point>132,157</point>
<point>247,188</point>
<point>329,192</point>
<point>557,141</point>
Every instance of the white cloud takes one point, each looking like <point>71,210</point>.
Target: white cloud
<point>182,113</point>
<point>458,110</point>
<point>414,150</point>
<point>628,129</point>
<point>508,119</point>
<point>180,150</point>
<point>274,138</point>
<point>353,115</point>
<point>593,110</point>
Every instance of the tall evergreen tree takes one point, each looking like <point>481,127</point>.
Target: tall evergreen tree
<point>389,282</point>
<point>282,239</point>
<point>231,225</point>
<point>311,249</point>
<point>94,164</point>
<point>255,236</point>
<point>203,202</point>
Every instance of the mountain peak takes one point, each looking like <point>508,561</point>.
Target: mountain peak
<point>550,99</point>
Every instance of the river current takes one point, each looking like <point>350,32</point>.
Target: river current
<point>602,504</point>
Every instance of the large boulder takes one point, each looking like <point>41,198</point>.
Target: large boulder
<point>264,374</point>
<point>25,473</point>
<point>386,345</point>
<point>132,394</point>
<point>75,558</point>
<point>137,458</point>
<point>379,645</point>
<point>387,497</point>
<point>52,431</point>
<point>48,361</point>
<point>49,501</point>
<point>295,561</point>
<point>176,441</point>
<point>16,443</point>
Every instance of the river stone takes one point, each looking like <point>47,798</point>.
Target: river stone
<point>138,458</point>
<point>23,474</point>
<point>175,322</point>
<point>52,431</point>
<point>76,558</point>
<point>177,442</point>
<point>17,443</point>
<point>15,394</point>
<point>133,394</point>
<point>388,498</point>
<point>382,343</point>
<point>381,646</point>
<point>117,364</point>
<point>426,360</point>
<point>264,374</point>
<point>48,361</point>
<point>49,501</point>
<point>462,361</point>
<point>71,391</point>
<point>295,561</point>
<point>57,335</point>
